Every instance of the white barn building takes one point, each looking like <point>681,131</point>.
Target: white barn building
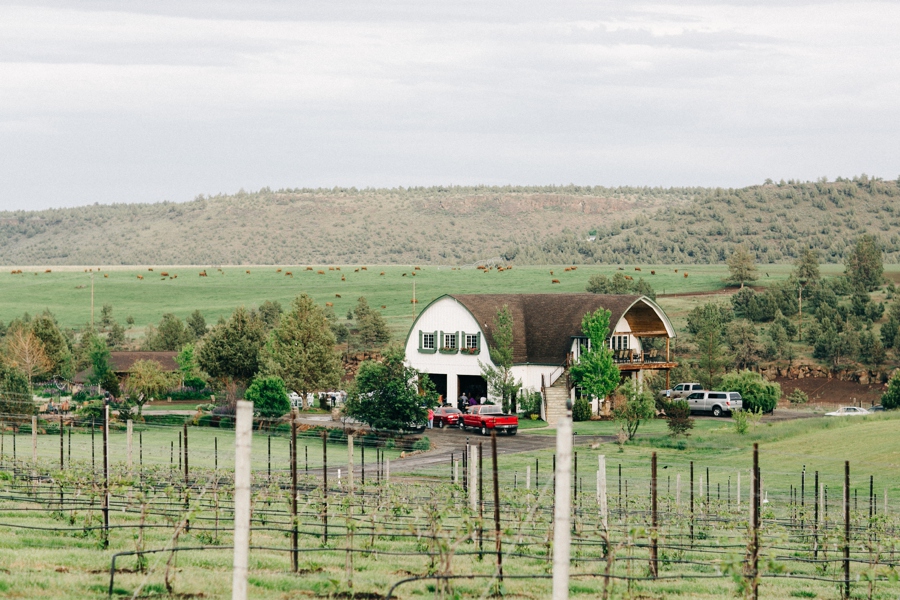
<point>453,333</point>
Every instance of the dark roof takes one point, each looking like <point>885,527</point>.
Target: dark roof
<point>121,362</point>
<point>544,324</point>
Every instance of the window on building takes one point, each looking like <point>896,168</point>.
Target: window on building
<point>471,340</point>
<point>450,341</point>
<point>428,341</point>
<point>618,342</point>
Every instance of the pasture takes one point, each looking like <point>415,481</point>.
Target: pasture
<point>418,526</point>
<point>67,291</point>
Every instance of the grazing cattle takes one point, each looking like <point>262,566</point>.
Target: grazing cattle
<point>383,306</point>
<point>331,268</point>
<point>486,271</point>
<point>203,273</point>
<point>309,269</point>
<point>337,295</point>
<point>685,273</point>
<point>337,268</point>
<point>320,272</point>
<point>555,281</point>
<point>164,274</point>
<point>567,269</point>
<point>49,271</point>
<point>413,301</point>
<point>404,275</point>
<point>413,273</point>
<point>364,268</point>
<point>106,275</point>
<point>653,272</point>
<point>149,269</point>
<point>508,267</point>
<point>637,268</point>
<point>573,268</point>
<point>174,276</point>
<point>356,270</point>
<point>288,274</point>
<point>676,270</point>
<point>382,273</point>
<point>247,272</point>
<point>140,276</point>
<point>418,268</point>
<point>278,270</point>
<point>629,278</point>
<point>343,278</point>
<point>551,272</point>
<point>500,269</point>
<point>329,304</point>
<point>620,269</point>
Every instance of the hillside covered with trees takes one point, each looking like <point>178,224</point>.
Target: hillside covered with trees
<point>462,225</point>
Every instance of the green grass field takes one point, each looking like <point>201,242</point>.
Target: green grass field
<point>67,293</point>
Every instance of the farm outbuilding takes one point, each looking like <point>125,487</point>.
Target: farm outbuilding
<point>453,333</point>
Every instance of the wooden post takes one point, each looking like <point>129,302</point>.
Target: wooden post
<point>62,444</point>
<point>34,442</point>
<point>295,563</point>
<point>562,506</point>
<point>185,458</point>
<point>325,486</point>
<point>473,488</point>
<point>692,504</point>
<point>350,463</point>
<point>528,477</point>
<point>754,526</point>
<point>498,541</point>
<point>129,444</point>
<point>604,506</point>
<point>654,572</point>
<point>846,564</point>
<point>106,475</point>
<point>242,440</point>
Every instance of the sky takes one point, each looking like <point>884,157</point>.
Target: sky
<point>130,101</point>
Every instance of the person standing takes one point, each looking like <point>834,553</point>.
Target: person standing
<point>430,418</point>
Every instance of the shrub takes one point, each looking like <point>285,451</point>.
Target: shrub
<point>891,398</point>
<point>798,396</point>
<point>741,421</point>
<point>581,411</point>
<point>269,396</point>
<point>758,394</point>
<point>679,417</point>
<point>92,410</point>
<point>422,444</point>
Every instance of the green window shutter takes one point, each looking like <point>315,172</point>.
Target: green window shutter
<point>439,341</point>
<point>478,342</point>
<point>420,340</point>
<point>458,342</point>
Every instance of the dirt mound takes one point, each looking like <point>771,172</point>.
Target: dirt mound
<point>832,391</point>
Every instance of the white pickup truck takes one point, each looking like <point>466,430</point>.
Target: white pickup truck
<point>682,390</point>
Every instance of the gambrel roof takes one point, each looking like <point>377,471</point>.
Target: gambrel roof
<point>544,324</point>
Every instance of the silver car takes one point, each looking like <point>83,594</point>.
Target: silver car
<point>848,411</point>
<point>718,403</point>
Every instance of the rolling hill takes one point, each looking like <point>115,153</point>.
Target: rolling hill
<point>462,225</point>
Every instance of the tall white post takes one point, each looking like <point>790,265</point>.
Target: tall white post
<point>473,477</point>
<point>350,463</point>
<point>601,479</point>
<point>387,470</point>
<point>561,516</point>
<point>822,500</point>
<point>129,434</point>
<point>34,441</point>
<point>528,477</point>
<point>739,488</point>
<point>243,436</point>
<point>456,472</point>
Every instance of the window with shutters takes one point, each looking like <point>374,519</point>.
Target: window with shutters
<point>450,341</point>
<point>428,341</point>
<point>471,340</point>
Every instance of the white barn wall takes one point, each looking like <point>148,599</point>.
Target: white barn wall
<point>446,315</point>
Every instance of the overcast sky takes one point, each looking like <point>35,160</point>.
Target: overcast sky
<point>127,101</point>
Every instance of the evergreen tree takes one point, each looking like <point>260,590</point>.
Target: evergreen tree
<point>45,328</point>
<point>595,370</point>
<point>197,324</point>
<point>301,349</point>
<point>171,335</point>
<point>231,350</point>
<point>863,266</point>
<point>373,330</point>
<point>741,266</point>
<point>500,381</point>
<point>742,341</point>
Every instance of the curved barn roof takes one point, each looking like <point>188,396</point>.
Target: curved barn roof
<point>544,324</point>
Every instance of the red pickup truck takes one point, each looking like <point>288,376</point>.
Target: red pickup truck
<point>485,417</point>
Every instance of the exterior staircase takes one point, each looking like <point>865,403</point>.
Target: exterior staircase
<point>555,398</point>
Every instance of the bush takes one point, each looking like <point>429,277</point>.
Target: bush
<point>891,398</point>
<point>581,411</point>
<point>269,397</point>
<point>530,404</point>
<point>679,417</point>
<point>741,421</point>
<point>422,444</point>
<point>758,394</point>
<point>798,396</point>
<point>92,410</point>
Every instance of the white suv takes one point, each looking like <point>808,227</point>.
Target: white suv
<point>682,390</point>
<point>718,403</point>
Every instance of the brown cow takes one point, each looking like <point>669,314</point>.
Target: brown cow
<point>364,268</point>
<point>637,268</point>
<point>629,278</point>
<point>551,272</point>
<point>320,272</point>
<point>149,269</point>
<point>288,274</point>
<point>413,301</point>
<point>404,275</point>
<point>356,270</point>
<point>343,278</point>
<point>140,276</point>
<point>329,304</point>
<point>106,275</point>
<point>164,274</point>
<point>383,306</point>
<point>337,295</point>
<point>653,272</point>
<point>278,270</point>
<point>382,273</point>
<point>247,272</point>
<point>203,274</point>
<point>309,269</point>
<point>555,281</point>
<point>418,268</point>
<point>331,268</point>
<point>573,268</point>
<point>685,273</point>
<point>48,271</point>
<point>567,269</point>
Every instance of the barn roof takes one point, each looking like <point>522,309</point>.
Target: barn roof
<point>544,324</point>
<point>121,362</point>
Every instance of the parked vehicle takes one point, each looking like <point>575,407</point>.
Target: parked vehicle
<point>876,408</point>
<point>484,417</point>
<point>682,390</point>
<point>718,403</point>
<point>847,411</point>
<point>447,416</point>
